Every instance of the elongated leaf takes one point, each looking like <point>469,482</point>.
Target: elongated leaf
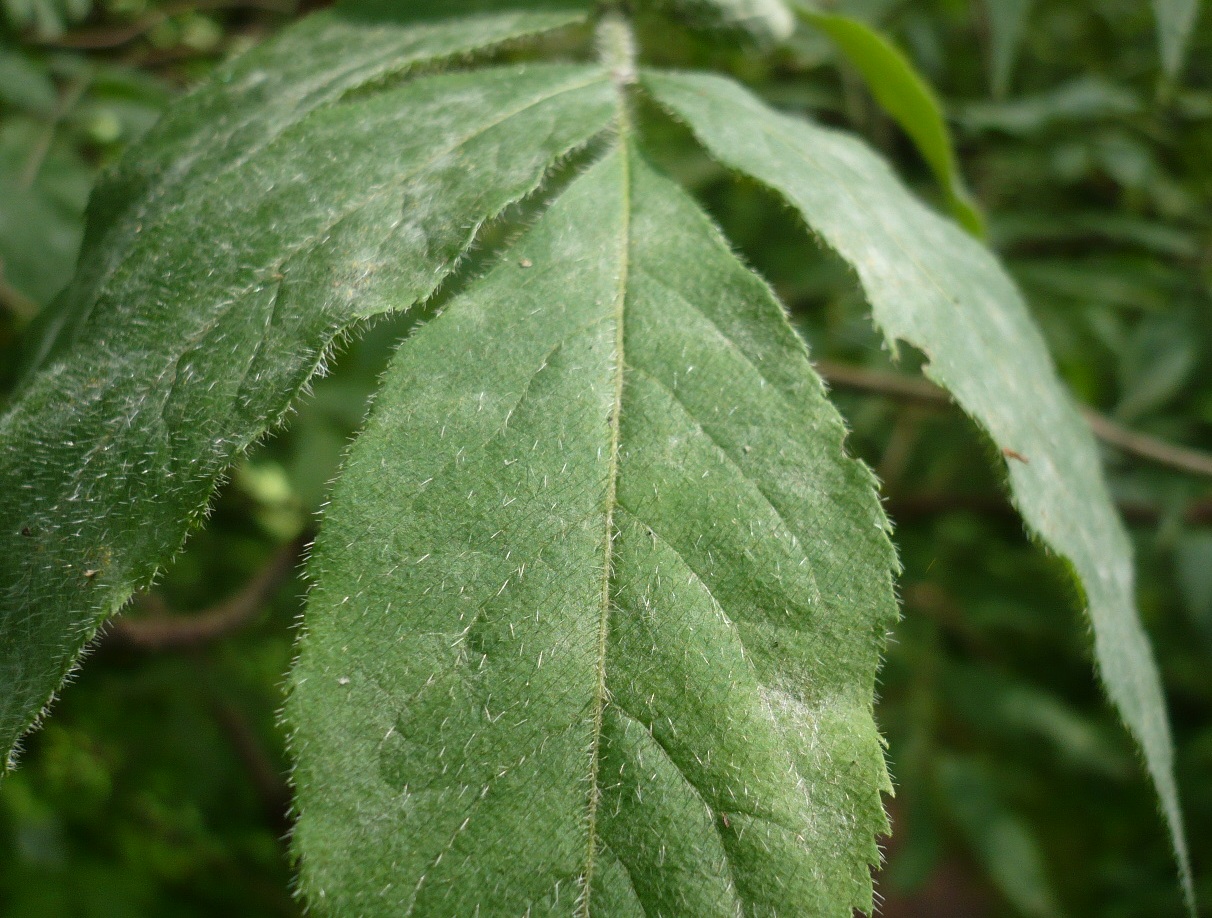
<point>931,285</point>
<point>249,104</point>
<point>1085,99</point>
<point>1004,845</point>
<point>1007,18</point>
<point>904,94</point>
<point>210,321</point>
<point>598,599</point>
<point>1175,21</point>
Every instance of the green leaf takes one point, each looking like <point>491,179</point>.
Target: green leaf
<point>1175,22</point>
<point>1003,843</point>
<point>599,598</point>
<point>906,96</point>
<point>48,19</point>
<point>1193,567</point>
<point>1084,99</point>
<point>203,307</point>
<point>1007,19</point>
<point>935,287</point>
<point>42,212</point>
<point>25,83</point>
<point>250,104</point>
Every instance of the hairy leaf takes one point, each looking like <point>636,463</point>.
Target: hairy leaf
<point>933,286</point>
<point>598,600</point>
<point>195,336</point>
<point>249,104</point>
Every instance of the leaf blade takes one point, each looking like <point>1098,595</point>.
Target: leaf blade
<point>932,286</point>
<point>136,431</point>
<point>248,105</point>
<point>537,482</point>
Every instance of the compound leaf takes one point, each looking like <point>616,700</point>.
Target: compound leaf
<point>933,286</point>
<point>197,325</point>
<point>598,599</point>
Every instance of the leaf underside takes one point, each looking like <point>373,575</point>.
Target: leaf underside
<point>931,285</point>
<point>221,261</point>
<point>598,599</point>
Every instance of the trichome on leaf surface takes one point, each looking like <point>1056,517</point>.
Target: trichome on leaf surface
<point>599,597</point>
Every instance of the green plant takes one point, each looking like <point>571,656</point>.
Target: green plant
<point>613,422</point>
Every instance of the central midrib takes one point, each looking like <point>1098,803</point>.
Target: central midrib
<point>599,703</point>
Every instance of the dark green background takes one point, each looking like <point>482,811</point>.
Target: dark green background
<point>157,788</point>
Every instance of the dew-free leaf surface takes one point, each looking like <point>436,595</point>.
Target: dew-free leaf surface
<point>181,353</point>
<point>931,285</point>
<point>599,598</point>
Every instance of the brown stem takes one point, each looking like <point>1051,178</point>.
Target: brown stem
<point>167,630</point>
<point>921,391</point>
<point>1146,447</point>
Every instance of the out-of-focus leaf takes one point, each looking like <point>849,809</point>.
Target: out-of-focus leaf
<point>905,95</point>
<point>24,84</point>
<point>992,700</point>
<point>1156,364</point>
<point>46,18</point>
<point>1006,21</point>
<point>937,288</point>
<point>1127,281</point>
<point>41,211</point>
<point>1193,562</point>
<point>1175,21</point>
<point>1038,228</point>
<point>1084,99</point>
<point>127,100</point>
<point>1002,842</point>
<point>814,48</point>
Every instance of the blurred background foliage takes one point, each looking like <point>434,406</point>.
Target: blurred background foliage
<point>157,787</point>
